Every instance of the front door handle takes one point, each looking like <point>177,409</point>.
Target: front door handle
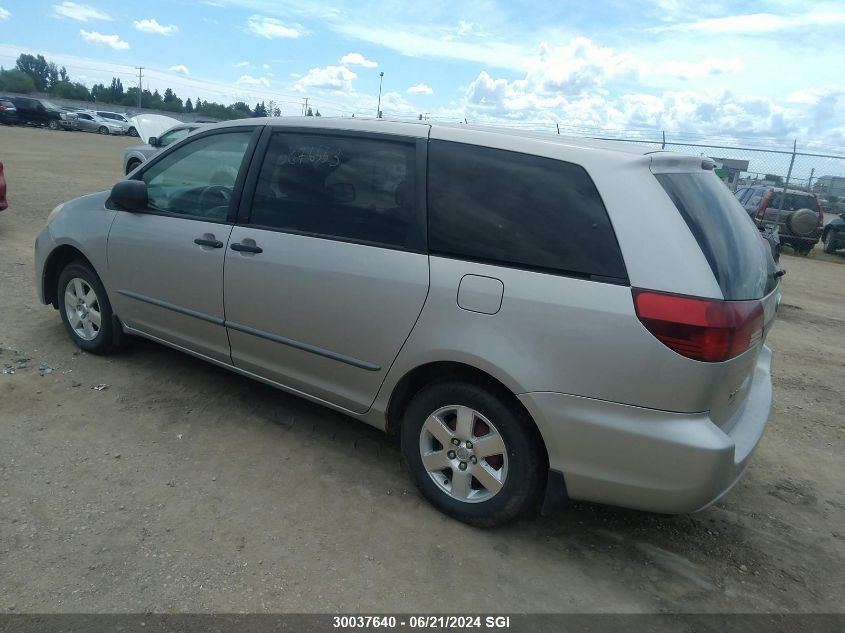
<point>208,242</point>
<point>246,248</point>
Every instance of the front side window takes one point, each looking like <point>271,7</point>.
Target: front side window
<point>356,189</point>
<point>198,179</point>
<point>519,210</point>
<point>174,136</point>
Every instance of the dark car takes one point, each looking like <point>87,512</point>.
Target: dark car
<point>42,112</point>
<point>798,214</point>
<point>833,236</point>
<point>8,111</point>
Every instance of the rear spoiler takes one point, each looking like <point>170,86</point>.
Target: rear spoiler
<point>672,163</point>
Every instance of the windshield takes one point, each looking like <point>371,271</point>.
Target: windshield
<point>50,105</point>
<point>740,260</point>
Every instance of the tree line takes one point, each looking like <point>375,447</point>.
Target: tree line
<point>33,73</point>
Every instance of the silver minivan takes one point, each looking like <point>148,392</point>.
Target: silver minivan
<point>536,318</point>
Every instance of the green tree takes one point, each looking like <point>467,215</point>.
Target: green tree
<point>189,107</point>
<point>317,113</point>
<point>68,90</point>
<point>260,110</point>
<point>116,90</point>
<point>16,81</point>
<point>310,112</point>
<point>36,67</point>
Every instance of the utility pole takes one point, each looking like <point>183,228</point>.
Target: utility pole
<point>378,107</point>
<point>305,107</point>
<point>140,70</point>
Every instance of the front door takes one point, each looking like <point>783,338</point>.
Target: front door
<point>166,263</point>
<point>325,283</point>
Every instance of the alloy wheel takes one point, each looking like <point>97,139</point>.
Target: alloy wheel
<point>82,308</point>
<point>464,454</point>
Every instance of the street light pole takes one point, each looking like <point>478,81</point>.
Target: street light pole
<point>378,107</point>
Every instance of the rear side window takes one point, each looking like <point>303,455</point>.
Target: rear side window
<point>519,210</point>
<point>739,258</point>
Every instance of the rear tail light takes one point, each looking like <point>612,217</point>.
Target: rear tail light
<point>764,204</point>
<point>2,107</point>
<point>708,330</point>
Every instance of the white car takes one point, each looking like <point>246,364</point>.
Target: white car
<point>119,118</point>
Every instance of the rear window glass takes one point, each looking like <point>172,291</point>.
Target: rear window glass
<point>519,210</point>
<point>739,257</point>
<point>794,201</point>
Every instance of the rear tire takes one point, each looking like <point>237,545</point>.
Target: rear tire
<point>472,454</point>
<point>103,130</point>
<point>85,309</point>
<point>131,165</point>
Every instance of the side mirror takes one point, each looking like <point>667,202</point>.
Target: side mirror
<point>130,195</point>
<point>153,141</point>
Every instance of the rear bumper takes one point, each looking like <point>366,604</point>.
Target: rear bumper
<point>648,459</point>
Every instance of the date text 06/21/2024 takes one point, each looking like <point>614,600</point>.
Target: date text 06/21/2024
<point>420,622</point>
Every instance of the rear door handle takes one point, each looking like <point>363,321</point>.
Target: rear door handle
<point>207,242</point>
<point>246,248</point>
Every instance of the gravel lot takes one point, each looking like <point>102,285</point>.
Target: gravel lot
<point>183,487</point>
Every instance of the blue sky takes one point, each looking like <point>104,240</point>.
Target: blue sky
<point>757,70</point>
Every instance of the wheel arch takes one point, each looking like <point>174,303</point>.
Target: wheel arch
<point>60,257</point>
<point>441,371</point>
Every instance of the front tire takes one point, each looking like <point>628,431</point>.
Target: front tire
<point>829,240</point>
<point>53,124</point>
<point>103,130</point>
<point>85,309</point>
<point>132,132</point>
<point>473,455</point>
<point>131,165</point>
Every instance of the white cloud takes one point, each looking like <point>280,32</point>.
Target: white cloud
<point>420,89</point>
<point>181,69</point>
<point>265,66</point>
<point>113,41</point>
<point>5,14</point>
<point>698,70</point>
<point>272,28</point>
<point>328,78</point>
<point>760,22</point>
<point>242,64</point>
<point>151,25</point>
<point>357,59</point>
<point>79,12</point>
<point>249,80</point>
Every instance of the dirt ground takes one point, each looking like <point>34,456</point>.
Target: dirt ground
<point>183,487</point>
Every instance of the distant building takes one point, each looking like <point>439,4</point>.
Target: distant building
<point>729,169</point>
<point>831,185</point>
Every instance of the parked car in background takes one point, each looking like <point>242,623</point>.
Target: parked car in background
<point>43,112</point>
<point>486,295</point>
<point>799,218</point>
<point>120,118</point>
<point>833,236</point>
<point>137,154</point>
<point>834,204</point>
<point>8,111</point>
<point>91,122</point>
<point>3,203</point>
